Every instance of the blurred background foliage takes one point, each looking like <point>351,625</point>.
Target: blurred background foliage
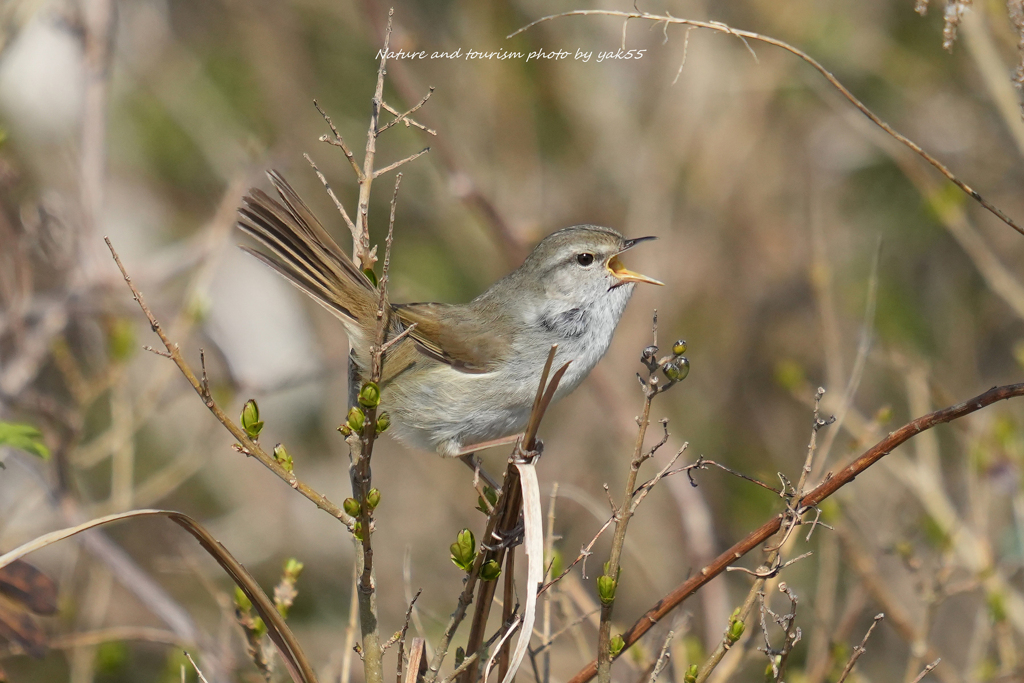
<point>778,209</point>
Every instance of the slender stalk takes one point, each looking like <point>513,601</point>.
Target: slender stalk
<point>247,446</point>
<point>690,586</point>
<point>622,516</point>
<point>833,81</point>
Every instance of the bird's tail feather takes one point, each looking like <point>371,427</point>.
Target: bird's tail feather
<point>302,251</point>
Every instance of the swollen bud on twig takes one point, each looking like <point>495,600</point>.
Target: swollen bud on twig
<point>679,348</point>
<point>242,600</point>
<point>460,656</point>
<point>691,674</point>
<point>491,497</point>
<point>292,569</point>
<point>369,395</point>
<point>383,422</point>
<point>373,498</point>
<point>464,550</point>
<point>490,570</point>
<point>357,530</point>
<point>736,626</point>
<point>351,507</point>
<point>356,419</point>
<point>677,370</point>
<point>283,458</point>
<point>606,586</point>
<point>251,419</point>
<point>615,645</point>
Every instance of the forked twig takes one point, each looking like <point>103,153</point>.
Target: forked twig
<point>248,446</point>
<point>688,587</point>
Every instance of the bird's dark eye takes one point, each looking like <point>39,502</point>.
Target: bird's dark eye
<point>584,259</point>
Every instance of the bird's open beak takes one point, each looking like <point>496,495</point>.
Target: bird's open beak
<point>625,275</point>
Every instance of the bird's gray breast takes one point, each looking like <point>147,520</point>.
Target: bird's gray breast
<point>567,324</point>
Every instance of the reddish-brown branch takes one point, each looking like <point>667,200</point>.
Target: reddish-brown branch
<point>815,497</point>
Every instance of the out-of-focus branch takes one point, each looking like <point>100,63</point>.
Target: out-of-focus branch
<point>99,21</point>
<point>815,497</point>
<point>743,35</point>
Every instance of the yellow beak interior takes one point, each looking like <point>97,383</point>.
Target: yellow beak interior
<point>625,275</point>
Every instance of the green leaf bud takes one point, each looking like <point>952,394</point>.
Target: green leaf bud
<point>606,586</point>
<point>292,569</point>
<point>735,630</point>
<point>351,507</point>
<point>369,395</point>
<point>283,457</point>
<point>251,419</point>
<point>356,419</point>
<point>373,498</point>
<point>679,348</point>
<point>691,674</point>
<point>372,276</point>
<point>615,645</point>
<point>490,570</point>
<point>345,429</point>
<point>242,601</point>
<point>460,656</point>
<point>491,497</point>
<point>383,422</point>
<point>464,550</point>
<point>357,530</point>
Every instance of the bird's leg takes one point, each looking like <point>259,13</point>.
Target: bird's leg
<point>483,445</point>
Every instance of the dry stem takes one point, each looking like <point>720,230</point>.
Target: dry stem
<point>248,446</point>
<point>743,35</point>
<point>674,598</point>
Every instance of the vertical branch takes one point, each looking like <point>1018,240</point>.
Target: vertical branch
<point>98,18</point>
<point>364,257</point>
<point>373,651</point>
<point>674,367</point>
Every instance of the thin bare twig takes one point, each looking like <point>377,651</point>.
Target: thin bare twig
<point>195,666</point>
<point>417,155</point>
<point>860,649</point>
<point>338,141</point>
<point>688,587</point>
<point>404,116</point>
<point>743,35</point>
<point>926,671</point>
<point>247,445</point>
<point>334,197</point>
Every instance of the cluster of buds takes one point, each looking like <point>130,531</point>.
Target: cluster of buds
<point>369,398</point>
<point>675,367</point>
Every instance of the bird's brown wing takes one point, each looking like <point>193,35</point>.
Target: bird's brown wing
<point>455,335</point>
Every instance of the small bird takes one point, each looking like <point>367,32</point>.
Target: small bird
<point>464,378</point>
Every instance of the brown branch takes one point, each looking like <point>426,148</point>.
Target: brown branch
<point>743,35</point>
<point>338,141</point>
<point>860,649</point>
<point>334,197</point>
<point>404,117</point>
<point>248,446</point>
<point>832,484</point>
<point>402,162</point>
